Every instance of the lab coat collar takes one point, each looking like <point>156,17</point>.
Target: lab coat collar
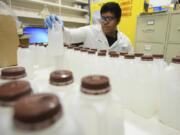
<point>119,38</point>
<point>102,37</point>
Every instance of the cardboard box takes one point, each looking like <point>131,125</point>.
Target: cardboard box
<point>9,41</point>
<point>24,40</point>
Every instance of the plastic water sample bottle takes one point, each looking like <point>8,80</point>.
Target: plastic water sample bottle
<point>55,47</point>
<point>96,106</point>
<point>170,95</point>
<point>50,108</point>
<point>127,75</point>
<point>145,93</point>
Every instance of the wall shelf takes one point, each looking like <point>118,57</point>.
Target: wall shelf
<point>31,9</point>
<point>27,14</point>
<point>81,2</point>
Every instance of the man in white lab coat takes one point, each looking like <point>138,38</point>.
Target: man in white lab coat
<point>102,36</point>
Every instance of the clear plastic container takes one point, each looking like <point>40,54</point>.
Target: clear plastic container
<point>59,82</point>
<point>66,125</point>
<point>76,63</point>
<point>96,109</point>
<point>145,93</point>
<point>34,55</point>
<point>138,56</point>
<point>55,49</point>
<point>100,62</point>
<point>170,94</point>
<point>122,54</point>
<point>68,59</point>
<point>113,69</point>
<point>160,65</point>
<point>42,56</point>
<point>126,75</point>
<point>82,59</point>
<point>89,68</point>
<point>159,61</point>
<point>25,58</point>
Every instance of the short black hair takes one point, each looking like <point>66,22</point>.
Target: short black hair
<point>112,7</point>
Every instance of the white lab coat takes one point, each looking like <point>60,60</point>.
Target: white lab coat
<point>94,37</point>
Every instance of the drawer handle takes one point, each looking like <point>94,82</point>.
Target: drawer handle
<point>148,30</point>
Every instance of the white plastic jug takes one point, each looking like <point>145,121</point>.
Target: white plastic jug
<point>25,58</point>
<point>126,75</point>
<point>145,93</point>
<point>55,49</point>
<point>96,109</point>
<point>170,95</point>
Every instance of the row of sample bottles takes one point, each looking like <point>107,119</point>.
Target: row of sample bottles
<point>139,81</point>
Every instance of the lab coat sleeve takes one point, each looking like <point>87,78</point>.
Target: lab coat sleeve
<point>76,35</point>
<point>127,45</point>
<point>130,47</point>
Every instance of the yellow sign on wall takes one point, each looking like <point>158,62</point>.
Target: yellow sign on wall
<point>130,10</point>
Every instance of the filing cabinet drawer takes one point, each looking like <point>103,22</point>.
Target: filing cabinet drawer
<point>172,51</point>
<point>174,32</point>
<point>152,28</point>
<point>149,48</point>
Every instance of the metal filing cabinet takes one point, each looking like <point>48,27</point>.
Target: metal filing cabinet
<point>149,48</point>
<point>172,51</point>
<point>173,43</point>
<point>151,33</point>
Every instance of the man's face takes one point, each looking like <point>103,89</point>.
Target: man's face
<point>108,22</point>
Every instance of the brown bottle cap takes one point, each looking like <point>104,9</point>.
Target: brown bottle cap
<point>115,55</point>
<point>13,73</point>
<point>123,53</point>
<point>95,85</point>
<point>84,50</point>
<point>14,90</point>
<point>70,47</point>
<point>112,52</point>
<point>37,108</point>
<point>138,54</point>
<point>91,52</point>
<point>76,48</point>
<point>61,77</point>
<point>158,56</point>
<point>103,51</point>
<point>147,58</point>
<point>101,54</point>
<point>23,46</point>
<point>45,45</point>
<point>176,60</point>
<point>94,49</point>
<point>129,56</point>
<point>41,44</point>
